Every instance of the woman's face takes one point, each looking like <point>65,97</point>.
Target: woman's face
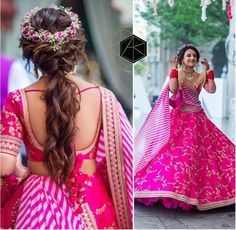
<point>190,58</point>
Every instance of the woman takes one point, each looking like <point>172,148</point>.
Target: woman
<point>77,137</point>
<point>182,158</point>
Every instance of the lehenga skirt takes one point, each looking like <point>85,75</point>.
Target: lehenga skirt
<point>195,169</point>
<point>39,203</point>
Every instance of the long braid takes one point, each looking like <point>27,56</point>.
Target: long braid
<point>60,93</point>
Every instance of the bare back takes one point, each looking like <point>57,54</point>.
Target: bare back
<point>88,119</point>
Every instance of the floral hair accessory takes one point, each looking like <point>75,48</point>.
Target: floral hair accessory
<point>57,39</point>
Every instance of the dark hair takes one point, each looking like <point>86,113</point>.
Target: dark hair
<point>183,49</point>
<point>60,93</point>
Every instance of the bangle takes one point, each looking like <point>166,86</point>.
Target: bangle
<point>174,73</point>
<point>210,74</point>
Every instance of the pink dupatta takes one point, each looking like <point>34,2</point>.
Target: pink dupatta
<point>154,133</point>
<point>114,157</point>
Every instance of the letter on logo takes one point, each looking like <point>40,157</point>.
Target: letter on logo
<point>133,48</point>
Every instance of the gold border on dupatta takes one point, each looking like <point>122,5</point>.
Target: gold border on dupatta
<point>27,121</point>
<point>88,217</point>
<point>183,198</point>
<point>114,158</point>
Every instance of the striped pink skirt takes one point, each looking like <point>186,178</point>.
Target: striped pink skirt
<point>39,203</point>
<point>44,205</point>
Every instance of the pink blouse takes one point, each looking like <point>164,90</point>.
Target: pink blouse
<point>15,127</point>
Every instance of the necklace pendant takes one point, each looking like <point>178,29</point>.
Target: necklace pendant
<point>189,76</point>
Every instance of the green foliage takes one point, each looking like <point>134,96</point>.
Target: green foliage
<point>182,23</point>
<point>140,67</point>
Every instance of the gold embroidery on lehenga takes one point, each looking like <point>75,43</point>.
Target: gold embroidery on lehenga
<point>99,211</point>
<point>201,207</point>
<point>14,211</point>
<point>88,217</point>
<point>113,226</point>
<point>82,189</point>
<point>89,183</point>
<point>114,157</point>
<point>205,196</point>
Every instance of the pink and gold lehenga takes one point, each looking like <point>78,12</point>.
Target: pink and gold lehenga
<point>181,157</point>
<point>102,200</point>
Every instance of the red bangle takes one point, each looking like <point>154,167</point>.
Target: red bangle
<point>210,74</point>
<point>174,73</point>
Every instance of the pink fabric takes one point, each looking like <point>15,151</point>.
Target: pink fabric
<point>11,131</point>
<point>15,106</point>
<point>9,184</point>
<point>176,99</point>
<point>10,202</point>
<point>127,144</point>
<point>84,189</point>
<point>44,205</point>
<point>81,91</point>
<point>154,133</point>
<point>190,96</point>
<point>40,203</point>
<point>195,168</point>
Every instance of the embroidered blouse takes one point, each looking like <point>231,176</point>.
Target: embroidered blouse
<point>15,127</point>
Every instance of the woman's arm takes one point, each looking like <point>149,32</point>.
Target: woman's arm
<point>11,164</point>
<point>8,164</point>
<point>11,134</point>
<point>20,170</point>
<point>173,85</point>
<point>210,86</point>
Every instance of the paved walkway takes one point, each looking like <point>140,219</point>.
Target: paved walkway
<point>159,217</point>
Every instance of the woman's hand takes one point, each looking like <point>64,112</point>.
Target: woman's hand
<point>20,170</point>
<point>174,63</point>
<point>209,85</point>
<point>205,63</point>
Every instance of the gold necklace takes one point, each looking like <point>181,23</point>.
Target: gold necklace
<point>189,76</point>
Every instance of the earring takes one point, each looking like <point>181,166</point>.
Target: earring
<point>75,70</point>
